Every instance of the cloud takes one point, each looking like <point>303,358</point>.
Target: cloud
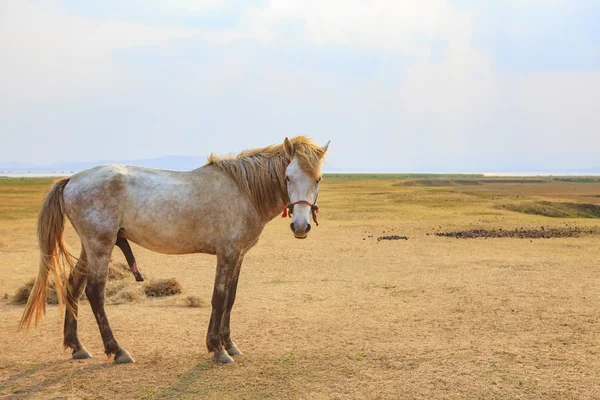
<point>202,6</point>
<point>396,84</point>
<point>49,55</point>
<point>387,26</point>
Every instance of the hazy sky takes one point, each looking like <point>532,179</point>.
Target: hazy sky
<point>420,85</point>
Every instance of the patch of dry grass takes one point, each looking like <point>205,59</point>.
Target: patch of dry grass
<point>127,294</point>
<point>162,287</point>
<point>557,209</point>
<point>339,317</point>
<point>195,301</point>
<point>118,270</point>
<point>22,294</point>
<point>21,197</point>
<point>119,288</point>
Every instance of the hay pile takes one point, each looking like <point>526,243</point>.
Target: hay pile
<point>118,271</point>
<point>23,292</point>
<point>121,288</point>
<point>195,301</point>
<point>162,287</point>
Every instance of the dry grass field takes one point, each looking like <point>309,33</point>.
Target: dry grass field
<point>342,315</point>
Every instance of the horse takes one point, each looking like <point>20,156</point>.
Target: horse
<point>220,208</point>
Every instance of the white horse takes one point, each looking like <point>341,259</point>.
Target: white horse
<point>220,208</point>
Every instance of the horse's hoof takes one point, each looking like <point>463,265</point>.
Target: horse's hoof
<point>123,357</point>
<point>223,358</point>
<point>234,351</point>
<point>81,354</point>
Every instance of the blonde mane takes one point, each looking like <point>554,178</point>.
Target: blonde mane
<point>260,173</point>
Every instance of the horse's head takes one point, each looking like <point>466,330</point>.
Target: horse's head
<point>303,175</point>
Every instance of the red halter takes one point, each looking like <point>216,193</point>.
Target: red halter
<point>289,210</point>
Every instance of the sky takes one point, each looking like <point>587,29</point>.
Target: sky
<point>396,85</point>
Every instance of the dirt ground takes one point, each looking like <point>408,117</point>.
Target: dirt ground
<point>341,315</point>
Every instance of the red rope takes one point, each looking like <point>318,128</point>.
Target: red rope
<point>288,210</point>
<point>315,210</point>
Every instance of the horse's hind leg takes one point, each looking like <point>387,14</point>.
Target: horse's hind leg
<point>123,244</point>
<point>77,279</point>
<point>98,259</point>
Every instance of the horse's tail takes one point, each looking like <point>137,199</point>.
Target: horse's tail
<point>51,224</point>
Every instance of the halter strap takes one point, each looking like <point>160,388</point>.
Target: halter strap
<point>289,210</point>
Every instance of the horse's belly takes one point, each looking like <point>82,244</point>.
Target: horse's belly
<point>168,242</point>
<point>168,230</point>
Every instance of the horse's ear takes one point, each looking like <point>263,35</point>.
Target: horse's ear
<point>289,148</point>
<point>326,147</point>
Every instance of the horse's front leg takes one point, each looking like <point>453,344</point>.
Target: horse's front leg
<point>226,266</point>
<point>228,344</point>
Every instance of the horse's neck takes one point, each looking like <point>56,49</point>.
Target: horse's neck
<point>276,211</point>
<point>267,211</point>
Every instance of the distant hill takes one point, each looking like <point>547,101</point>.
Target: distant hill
<point>185,163</point>
<point>181,163</point>
<point>178,163</point>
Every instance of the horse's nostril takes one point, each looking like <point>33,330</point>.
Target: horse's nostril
<point>292,227</point>
<point>307,228</point>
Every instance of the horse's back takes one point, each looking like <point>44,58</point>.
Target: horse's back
<point>116,183</point>
<point>165,211</point>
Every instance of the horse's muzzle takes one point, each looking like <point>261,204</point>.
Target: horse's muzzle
<point>300,232</point>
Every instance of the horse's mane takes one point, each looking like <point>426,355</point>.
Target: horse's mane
<point>260,173</point>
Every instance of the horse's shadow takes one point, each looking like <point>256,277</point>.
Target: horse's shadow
<point>175,390</point>
<point>25,391</point>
